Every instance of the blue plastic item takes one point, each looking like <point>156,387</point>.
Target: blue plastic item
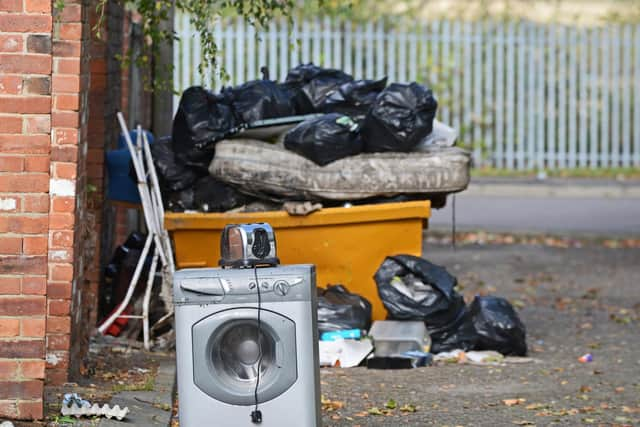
<point>122,187</point>
<point>344,334</point>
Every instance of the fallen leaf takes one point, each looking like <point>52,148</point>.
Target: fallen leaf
<point>407,407</point>
<point>523,423</point>
<point>512,402</point>
<point>391,404</point>
<point>361,414</point>
<point>585,389</point>
<point>536,406</point>
<point>375,411</point>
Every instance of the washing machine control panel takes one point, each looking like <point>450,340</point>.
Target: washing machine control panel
<point>218,286</point>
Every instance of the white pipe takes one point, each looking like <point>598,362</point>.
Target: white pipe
<point>147,299</point>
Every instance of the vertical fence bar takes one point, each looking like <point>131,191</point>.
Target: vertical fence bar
<point>272,43</point>
<point>369,63</point>
<point>435,62</point>
<point>177,63</point>
<point>478,110</point>
<point>251,53</point>
<point>636,99</point>
<point>357,70</point>
<point>317,57</point>
<point>551,99</point>
<point>532,76</point>
<point>348,49</point>
<point>616,96</point>
<point>573,78</point>
<point>413,53</point>
<point>593,136</point>
<point>455,103</point>
<point>239,53</point>
<point>337,43</point>
<point>562,98</point>
<point>445,72</point>
<point>229,47</point>
<point>423,59</point>
<point>196,53</point>
<point>186,52</point>
<point>392,43</point>
<point>605,87</point>
<point>510,124</point>
<point>283,42</point>
<point>467,74</point>
<point>262,52</point>
<point>402,54</point>
<point>626,87</point>
<point>380,69</point>
<point>305,42</point>
<point>540,80</point>
<point>294,46</point>
<point>583,115</point>
<point>488,93</point>
<point>327,61</point>
<point>217,69</point>
<point>498,159</point>
<point>520,98</point>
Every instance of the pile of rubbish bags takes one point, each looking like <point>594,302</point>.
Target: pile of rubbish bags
<point>412,290</point>
<point>338,116</point>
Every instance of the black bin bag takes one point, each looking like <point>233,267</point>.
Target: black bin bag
<point>412,288</point>
<point>173,175</point>
<point>261,99</point>
<point>325,139</point>
<point>354,98</point>
<point>312,84</point>
<point>498,326</point>
<point>212,195</point>
<point>339,309</point>
<point>401,116</point>
<point>202,119</point>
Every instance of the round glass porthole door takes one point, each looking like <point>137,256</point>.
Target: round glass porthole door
<point>227,349</point>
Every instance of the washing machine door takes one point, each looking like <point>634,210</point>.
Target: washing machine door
<point>226,355</point>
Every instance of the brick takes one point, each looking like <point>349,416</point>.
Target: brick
<point>25,225</point>
<point>62,239</point>
<point>66,136</point>
<point>10,85</point>
<point>61,255</point>
<point>58,342</point>
<point>61,272</point>
<point>26,349</point>
<point>33,328</point>
<point>36,164</point>
<point>63,170</point>
<point>69,31</point>
<point>10,285</point>
<point>22,306</point>
<point>24,62</point>
<point>22,264</point>
<point>70,13</point>
<point>67,49</point>
<point>64,204</point>
<point>37,124</point>
<point>24,144</point>
<point>34,285</point>
<point>8,369</point>
<point>24,183</point>
<point>32,369</point>
<point>66,83</point>
<point>25,104</point>
<point>59,307</point>
<point>37,85</point>
<point>36,203</point>
<point>10,245</point>
<point>58,324</point>
<point>11,43</point>
<point>8,408</point>
<point>25,23</point>
<point>10,124</point>
<point>67,65</point>
<point>9,327</point>
<point>59,290</point>
<point>65,119</point>
<point>39,43</point>
<point>56,376</point>
<point>34,245</point>
<point>31,410</point>
<point>21,389</point>
<point>61,221</point>
<point>63,154</point>
<point>11,164</point>
<point>43,6</point>
<point>67,102</point>
<point>9,204</point>
<point>57,359</point>
<point>11,5</point>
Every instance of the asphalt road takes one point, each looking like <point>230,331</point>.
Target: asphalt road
<point>550,208</point>
<point>574,301</point>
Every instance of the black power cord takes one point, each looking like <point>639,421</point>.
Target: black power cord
<point>256,414</point>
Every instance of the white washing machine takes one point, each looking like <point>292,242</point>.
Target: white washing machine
<point>221,359</point>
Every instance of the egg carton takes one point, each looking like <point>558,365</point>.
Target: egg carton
<point>95,410</point>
